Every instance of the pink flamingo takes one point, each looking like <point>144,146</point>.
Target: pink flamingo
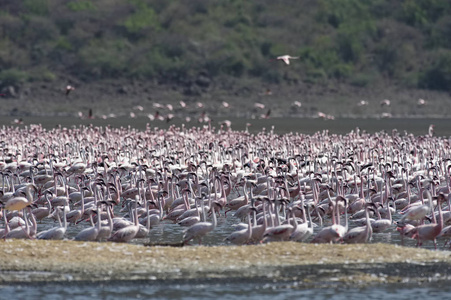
<point>91,233</point>
<point>279,232</point>
<point>429,232</point>
<point>242,236</point>
<point>329,234</point>
<point>360,234</point>
<point>55,233</point>
<point>126,234</point>
<point>200,229</point>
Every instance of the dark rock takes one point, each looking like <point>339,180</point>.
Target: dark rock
<point>203,81</point>
<point>123,90</point>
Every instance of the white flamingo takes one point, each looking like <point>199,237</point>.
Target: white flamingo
<point>19,203</point>
<point>303,231</point>
<point>286,58</point>
<point>105,231</point>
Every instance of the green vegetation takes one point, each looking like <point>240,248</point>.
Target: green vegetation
<point>354,42</point>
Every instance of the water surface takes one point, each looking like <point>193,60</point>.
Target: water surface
<point>417,126</point>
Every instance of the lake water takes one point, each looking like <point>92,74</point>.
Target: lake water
<point>417,126</point>
<point>211,289</point>
<point>232,289</point>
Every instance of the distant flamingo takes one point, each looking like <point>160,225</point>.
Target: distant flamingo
<point>385,102</point>
<point>431,130</point>
<point>69,88</point>
<point>286,58</point>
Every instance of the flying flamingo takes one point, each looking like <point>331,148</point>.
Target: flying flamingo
<point>286,58</point>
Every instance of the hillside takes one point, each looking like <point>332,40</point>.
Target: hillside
<point>120,54</point>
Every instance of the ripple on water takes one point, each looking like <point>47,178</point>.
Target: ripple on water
<point>222,289</point>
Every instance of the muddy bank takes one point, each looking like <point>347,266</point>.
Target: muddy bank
<point>32,260</point>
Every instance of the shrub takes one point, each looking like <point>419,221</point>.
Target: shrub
<point>12,77</point>
<point>81,5</point>
<point>438,75</point>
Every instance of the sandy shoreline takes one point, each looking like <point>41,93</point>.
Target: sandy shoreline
<point>33,260</point>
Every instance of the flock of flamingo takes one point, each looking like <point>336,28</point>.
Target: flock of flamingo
<point>117,184</point>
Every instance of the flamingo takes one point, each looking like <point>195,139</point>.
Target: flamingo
<point>429,232</point>
<point>380,224</point>
<point>69,88</point>
<point>238,202</point>
<point>360,234</point>
<point>43,211</point>
<point>90,233</point>
<point>55,233</point>
<point>105,231</point>
<point>332,233</point>
<point>405,230</point>
<point>19,203</point>
<point>189,217</point>
<point>200,229</point>
<point>280,232</point>
<point>286,58</point>
<point>74,215</point>
<point>258,231</point>
<point>242,236</point>
<point>431,130</point>
<point>23,233</point>
<point>302,231</point>
<point>126,234</point>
